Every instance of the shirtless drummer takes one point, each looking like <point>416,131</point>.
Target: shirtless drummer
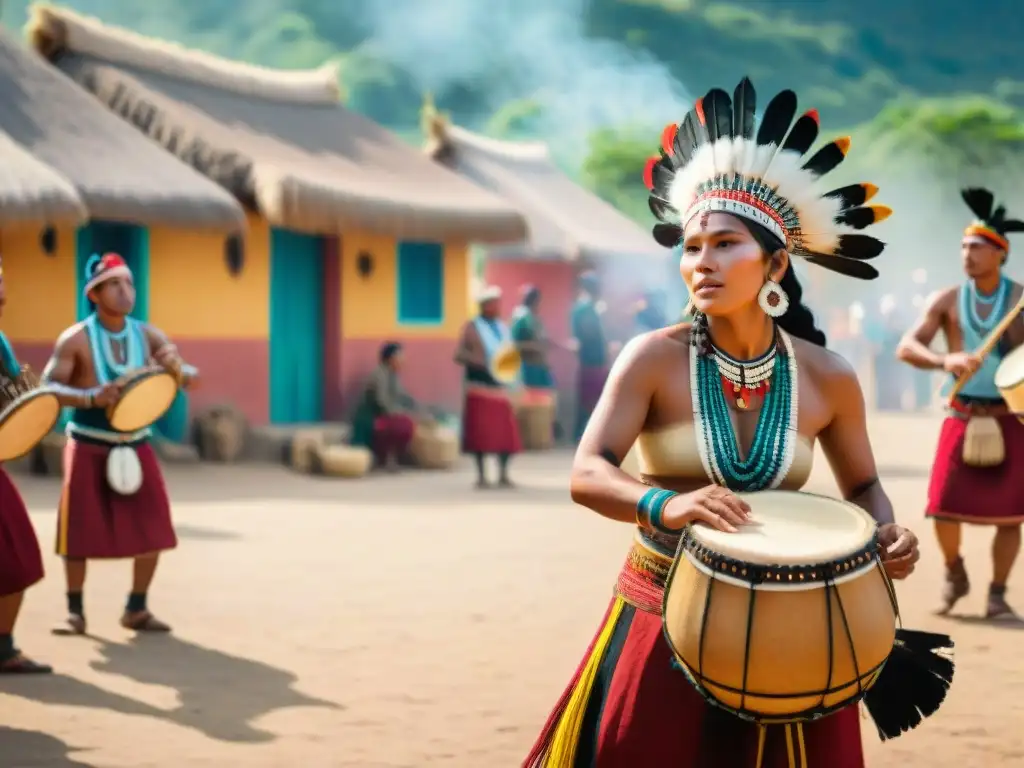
<point>95,521</point>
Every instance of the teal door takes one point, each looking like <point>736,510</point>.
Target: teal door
<point>296,327</point>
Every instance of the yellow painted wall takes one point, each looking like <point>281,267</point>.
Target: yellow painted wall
<point>192,294</point>
<point>41,289</point>
<point>369,305</point>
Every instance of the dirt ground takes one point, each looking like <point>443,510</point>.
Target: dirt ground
<point>406,622</point>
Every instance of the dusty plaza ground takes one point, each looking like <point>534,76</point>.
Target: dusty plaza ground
<point>407,622</point>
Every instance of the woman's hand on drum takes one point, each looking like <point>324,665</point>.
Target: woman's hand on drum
<point>899,550</point>
<point>107,395</point>
<point>713,505</point>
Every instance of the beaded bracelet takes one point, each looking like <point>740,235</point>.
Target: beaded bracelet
<point>650,508</point>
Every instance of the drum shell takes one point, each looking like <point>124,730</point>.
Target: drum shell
<point>1010,380</point>
<point>784,643</point>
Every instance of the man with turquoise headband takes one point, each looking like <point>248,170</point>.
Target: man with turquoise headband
<point>962,489</point>
<point>97,520</point>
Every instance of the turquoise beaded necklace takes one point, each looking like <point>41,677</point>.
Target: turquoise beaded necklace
<point>771,453</point>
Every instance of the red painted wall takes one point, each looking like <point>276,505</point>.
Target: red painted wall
<point>430,375</point>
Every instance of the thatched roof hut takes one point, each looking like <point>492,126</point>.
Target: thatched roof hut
<point>77,146</point>
<point>565,220</point>
<point>279,141</point>
<point>31,192</point>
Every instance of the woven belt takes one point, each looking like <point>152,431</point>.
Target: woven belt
<point>642,579</point>
<point>73,430</point>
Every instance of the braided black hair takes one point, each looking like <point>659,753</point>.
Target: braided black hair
<point>798,320</point>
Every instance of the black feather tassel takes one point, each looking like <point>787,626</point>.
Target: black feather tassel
<point>668,235</point>
<point>744,108</point>
<point>777,118</point>
<point>718,114</point>
<point>980,201</point>
<point>913,684</point>
<point>854,194</point>
<point>828,157</point>
<point>804,133</point>
<point>1013,225</point>
<point>848,267</point>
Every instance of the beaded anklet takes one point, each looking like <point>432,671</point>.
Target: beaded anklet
<point>650,508</point>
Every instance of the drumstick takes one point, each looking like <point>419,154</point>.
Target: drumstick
<point>987,346</point>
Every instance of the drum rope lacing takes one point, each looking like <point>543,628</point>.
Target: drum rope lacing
<point>771,453</point>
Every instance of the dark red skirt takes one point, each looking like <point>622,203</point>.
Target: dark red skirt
<point>981,495</point>
<point>392,435</point>
<point>489,423</point>
<point>21,562</point>
<point>95,522</point>
<point>628,706</point>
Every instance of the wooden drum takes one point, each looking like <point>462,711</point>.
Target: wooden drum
<point>146,395</point>
<point>1010,381</point>
<point>789,619</point>
<point>29,413</point>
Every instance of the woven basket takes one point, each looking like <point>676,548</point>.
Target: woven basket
<point>434,446</point>
<point>344,460</point>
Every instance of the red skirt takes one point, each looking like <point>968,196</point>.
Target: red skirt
<point>981,495</point>
<point>95,522</point>
<point>627,706</point>
<point>489,423</point>
<point>392,435</point>
<point>21,562</point>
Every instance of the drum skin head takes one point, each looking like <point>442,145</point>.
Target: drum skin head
<point>146,397</point>
<point>792,528</point>
<point>26,421</point>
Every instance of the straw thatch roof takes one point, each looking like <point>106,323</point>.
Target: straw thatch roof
<point>279,141</point>
<point>566,221</point>
<point>33,193</point>
<point>116,173</point>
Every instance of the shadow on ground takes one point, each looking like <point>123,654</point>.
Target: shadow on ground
<point>29,749</point>
<point>219,695</point>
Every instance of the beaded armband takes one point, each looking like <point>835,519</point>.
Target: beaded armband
<point>650,508</point>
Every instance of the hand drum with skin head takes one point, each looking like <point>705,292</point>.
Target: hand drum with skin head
<point>146,395</point>
<point>791,618</point>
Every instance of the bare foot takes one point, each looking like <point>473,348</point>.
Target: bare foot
<point>73,625</point>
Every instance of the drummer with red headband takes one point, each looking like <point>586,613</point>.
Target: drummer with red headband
<point>958,492</point>
<point>97,520</point>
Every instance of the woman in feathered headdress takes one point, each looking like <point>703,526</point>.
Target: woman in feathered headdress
<point>979,463</point>
<point>743,202</point>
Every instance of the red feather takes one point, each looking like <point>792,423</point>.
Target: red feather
<point>699,108</point>
<point>111,260</point>
<point>813,114</point>
<point>668,137</point>
<point>649,171</point>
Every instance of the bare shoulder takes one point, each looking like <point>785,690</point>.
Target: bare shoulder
<point>654,348</point>
<point>831,372</point>
<point>72,337</point>
<point>943,301</point>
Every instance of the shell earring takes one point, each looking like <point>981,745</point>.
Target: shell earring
<point>772,299</point>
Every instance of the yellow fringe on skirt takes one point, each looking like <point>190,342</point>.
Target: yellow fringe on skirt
<point>562,751</point>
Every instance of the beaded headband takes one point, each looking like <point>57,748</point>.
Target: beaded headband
<point>990,225</point>
<point>712,162</point>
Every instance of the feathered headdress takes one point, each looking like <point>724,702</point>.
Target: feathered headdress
<point>712,161</point>
<point>990,223</point>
